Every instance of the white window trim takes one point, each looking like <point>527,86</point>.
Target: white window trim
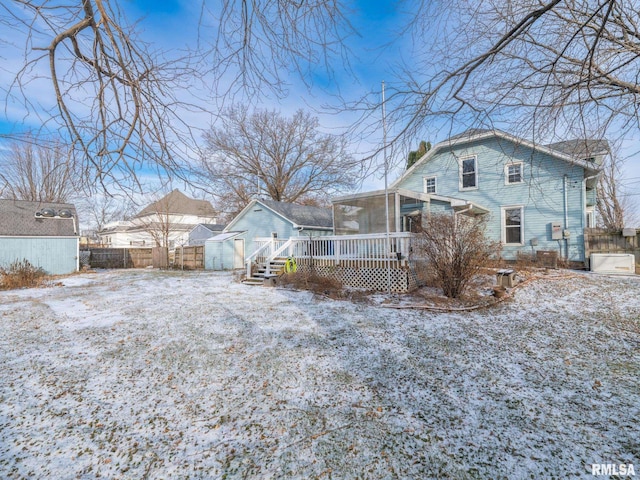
<point>503,226</point>
<point>506,173</point>
<point>435,184</point>
<point>590,217</point>
<point>460,162</point>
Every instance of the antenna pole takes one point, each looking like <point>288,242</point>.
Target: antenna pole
<point>386,192</point>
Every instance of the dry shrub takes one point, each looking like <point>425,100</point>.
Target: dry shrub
<point>456,250</point>
<point>21,274</point>
<point>318,284</point>
<point>525,261</point>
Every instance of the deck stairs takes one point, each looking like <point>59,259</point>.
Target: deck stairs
<point>259,274</point>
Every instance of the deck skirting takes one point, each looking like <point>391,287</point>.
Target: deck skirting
<point>401,279</point>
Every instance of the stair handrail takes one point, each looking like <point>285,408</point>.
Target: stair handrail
<point>284,246</point>
<point>254,255</point>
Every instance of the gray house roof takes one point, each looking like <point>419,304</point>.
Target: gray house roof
<point>213,227</point>
<point>302,215</point>
<point>581,148</point>
<point>178,203</point>
<point>17,218</point>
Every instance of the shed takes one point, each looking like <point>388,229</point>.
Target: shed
<point>43,233</point>
<point>264,219</point>
<point>222,252</point>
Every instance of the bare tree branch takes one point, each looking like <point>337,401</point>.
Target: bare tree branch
<point>286,159</point>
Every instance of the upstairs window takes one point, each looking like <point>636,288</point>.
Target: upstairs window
<point>429,184</point>
<point>513,173</point>
<point>468,173</point>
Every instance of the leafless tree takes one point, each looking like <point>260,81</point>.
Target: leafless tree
<point>286,159</point>
<point>113,94</point>
<point>257,44</point>
<point>99,210</point>
<point>456,249</point>
<point>616,209</point>
<point>38,170</point>
<point>546,70</point>
<point>120,102</point>
<point>540,68</point>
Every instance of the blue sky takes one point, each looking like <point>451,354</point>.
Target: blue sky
<point>172,24</point>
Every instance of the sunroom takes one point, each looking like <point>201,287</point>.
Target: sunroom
<point>365,213</point>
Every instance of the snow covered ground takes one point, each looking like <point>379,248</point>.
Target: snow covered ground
<point>148,374</point>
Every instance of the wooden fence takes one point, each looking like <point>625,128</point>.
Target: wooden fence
<point>185,258</point>
<point>188,258</point>
<point>121,257</point>
<point>597,240</point>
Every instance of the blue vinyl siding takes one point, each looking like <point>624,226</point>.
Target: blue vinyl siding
<point>541,194</point>
<point>219,255</point>
<point>199,234</point>
<point>258,222</point>
<point>56,256</point>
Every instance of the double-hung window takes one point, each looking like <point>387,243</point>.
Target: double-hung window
<point>513,173</point>
<point>429,184</point>
<point>468,173</point>
<point>513,225</point>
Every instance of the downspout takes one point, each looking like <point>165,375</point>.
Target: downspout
<point>584,216</point>
<point>566,216</point>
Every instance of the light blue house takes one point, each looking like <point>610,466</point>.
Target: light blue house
<point>43,233</point>
<point>536,197</point>
<point>261,221</point>
<point>203,231</point>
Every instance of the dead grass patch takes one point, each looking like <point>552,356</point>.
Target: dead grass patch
<point>325,286</point>
<point>21,274</point>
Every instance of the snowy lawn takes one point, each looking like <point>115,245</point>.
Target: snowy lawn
<point>148,374</point>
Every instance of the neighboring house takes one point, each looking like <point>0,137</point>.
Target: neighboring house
<point>204,231</point>
<point>44,233</point>
<point>166,222</point>
<point>261,221</point>
<point>537,197</point>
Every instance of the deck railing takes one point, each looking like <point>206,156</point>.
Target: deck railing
<point>365,251</point>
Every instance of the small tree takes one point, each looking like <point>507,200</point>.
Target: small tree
<point>416,155</point>
<point>456,249</point>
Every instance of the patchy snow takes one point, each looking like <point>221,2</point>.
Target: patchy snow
<point>142,373</point>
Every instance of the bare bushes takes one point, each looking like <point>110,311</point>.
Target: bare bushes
<point>456,250</point>
<point>20,274</point>
<point>321,285</point>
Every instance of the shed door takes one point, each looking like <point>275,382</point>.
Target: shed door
<point>238,253</point>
